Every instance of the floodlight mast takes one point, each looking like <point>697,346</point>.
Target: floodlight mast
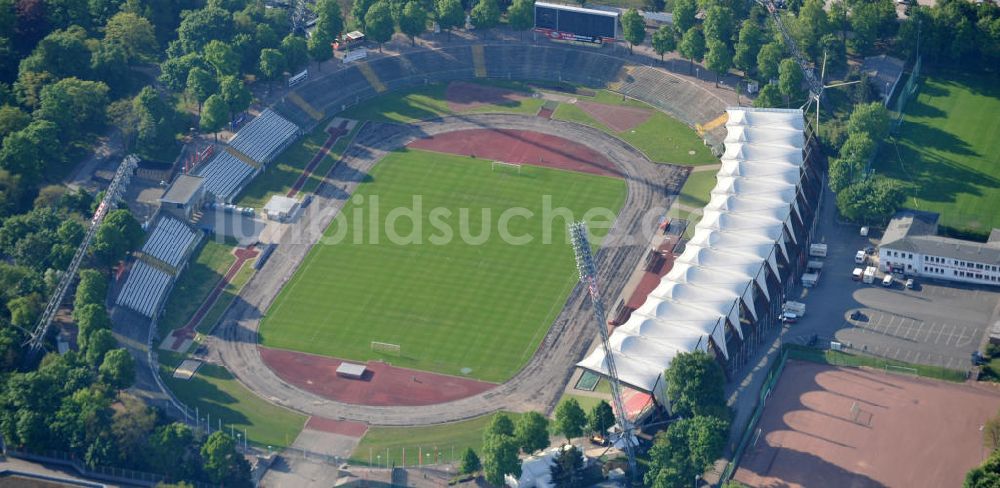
<point>588,276</point>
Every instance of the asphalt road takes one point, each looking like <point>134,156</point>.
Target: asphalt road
<point>538,385</point>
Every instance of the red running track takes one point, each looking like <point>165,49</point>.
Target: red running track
<point>383,385</point>
<point>523,147</point>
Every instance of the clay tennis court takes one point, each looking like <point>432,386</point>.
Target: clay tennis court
<point>905,431</point>
<point>523,147</point>
<point>462,96</point>
<point>616,117</point>
<point>382,385</point>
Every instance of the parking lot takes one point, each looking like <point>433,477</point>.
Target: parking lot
<point>937,323</point>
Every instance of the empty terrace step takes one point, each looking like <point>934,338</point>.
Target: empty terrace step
<point>479,61</point>
<point>243,157</point>
<point>372,78</point>
<point>712,124</point>
<point>298,101</point>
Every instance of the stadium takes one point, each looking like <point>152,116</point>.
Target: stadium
<point>460,330</point>
<point>344,322</point>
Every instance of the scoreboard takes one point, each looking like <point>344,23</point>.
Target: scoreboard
<point>569,23</point>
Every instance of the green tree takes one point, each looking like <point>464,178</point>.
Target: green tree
<point>790,80</point>
<point>222,57</point>
<point>500,458</point>
<point>12,119</point>
<point>235,94</point>
<point>521,15</point>
<point>413,21</point>
<point>664,41</point>
<point>174,71</point>
<point>871,119</point>
<point>449,14</point>
<point>25,310</point>
<point>570,419</point>
<point>748,46</point>
<point>296,52</point>
<point>200,85</point>
<point>844,172</point>
<point>768,60</point>
<point>272,64</point>
<point>118,369</point>
<point>63,53</point>
<point>89,319</point>
<point>871,200</point>
<point>485,15</point>
<point>500,425</point>
<point>98,344</point>
<point>686,449</point>
<point>168,451</point>
<point>811,24</point>
<point>215,116</point>
<point>601,418</point>
<point>532,432</point>
<point>718,59</point>
<point>358,11</point>
<point>633,28</point>
<point>130,426</point>
<point>134,34</point>
<point>329,25</point>
<point>75,106</point>
<point>858,146</point>
<point>470,462</point>
<point>692,47</point>
<point>695,383</point>
<point>986,475</point>
<point>379,24</point>
<point>221,461</point>
<point>118,235</point>
<point>684,15</point>
<point>198,27</point>
<point>566,470</point>
<point>718,24</point>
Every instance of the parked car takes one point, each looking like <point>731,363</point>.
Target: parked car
<point>887,281</point>
<point>910,284</point>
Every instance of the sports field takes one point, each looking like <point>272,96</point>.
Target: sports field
<point>455,306</point>
<point>947,150</point>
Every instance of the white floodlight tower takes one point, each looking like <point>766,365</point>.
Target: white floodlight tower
<point>588,276</point>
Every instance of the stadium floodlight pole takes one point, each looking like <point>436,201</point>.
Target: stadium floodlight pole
<point>588,276</point>
<point>114,193</point>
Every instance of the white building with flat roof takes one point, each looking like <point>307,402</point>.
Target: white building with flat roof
<point>911,246</point>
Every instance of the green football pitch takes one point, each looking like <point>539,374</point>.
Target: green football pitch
<point>455,306</point>
<point>946,149</point>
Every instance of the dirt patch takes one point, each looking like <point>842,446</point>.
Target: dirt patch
<point>342,427</point>
<point>829,426</point>
<point>616,117</point>
<point>462,96</point>
<point>382,385</point>
<point>523,147</point>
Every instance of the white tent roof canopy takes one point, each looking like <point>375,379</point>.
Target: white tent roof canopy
<point>732,247</point>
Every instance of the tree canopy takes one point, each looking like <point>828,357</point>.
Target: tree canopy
<point>695,384</point>
<point>570,419</point>
<point>633,28</point>
<point>532,432</point>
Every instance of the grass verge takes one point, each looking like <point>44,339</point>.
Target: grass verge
<point>216,393</point>
<point>442,442</point>
<point>208,266</point>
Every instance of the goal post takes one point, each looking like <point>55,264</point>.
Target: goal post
<point>386,348</point>
<point>504,166</point>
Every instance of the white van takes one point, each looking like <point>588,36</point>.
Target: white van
<point>887,281</point>
<point>856,274</point>
<point>860,256</point>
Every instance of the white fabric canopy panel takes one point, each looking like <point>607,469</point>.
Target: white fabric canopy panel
<point>734,242</point>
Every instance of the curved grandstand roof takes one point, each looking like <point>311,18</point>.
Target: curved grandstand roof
<point>733,244</point>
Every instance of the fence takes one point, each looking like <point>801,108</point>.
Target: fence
<point>105,473</point>
<point>833,358</point>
